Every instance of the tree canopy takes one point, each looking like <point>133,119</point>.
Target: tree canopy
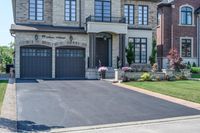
<point>6,56</point>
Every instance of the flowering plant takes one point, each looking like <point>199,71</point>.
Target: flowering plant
<point>102,69</point>
<point>126,69</point>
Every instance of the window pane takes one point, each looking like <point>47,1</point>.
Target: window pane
<point>70,10</point>
<point>186,48</point>
<point>186,15</point>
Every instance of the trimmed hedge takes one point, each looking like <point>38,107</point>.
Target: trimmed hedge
<point>195,69</point>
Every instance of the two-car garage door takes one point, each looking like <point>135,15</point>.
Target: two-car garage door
<point>36,62</point>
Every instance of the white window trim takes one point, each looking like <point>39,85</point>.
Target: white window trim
<point>192,45</point>
<point>193,15</point>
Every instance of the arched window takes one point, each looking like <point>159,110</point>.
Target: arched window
<point>186,15</point>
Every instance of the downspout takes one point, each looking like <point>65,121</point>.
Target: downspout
<point>198,37</point>
<point>80,19</point>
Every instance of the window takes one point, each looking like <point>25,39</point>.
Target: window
<point>36,9</point>
<point>143,15</point>
<point>186,15</point>
<point>103,10</point>
<point>129,13</point>
<point>70,10</point>
<point>186,48</point>
<point>140,45</point>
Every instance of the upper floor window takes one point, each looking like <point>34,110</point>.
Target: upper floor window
<point>143,15</point>
<point>186,15</point>
<point>129,13</point>
<point>70,10</point>
<point>186,47</point>
<point>36,9</point>
<point>103,10</point>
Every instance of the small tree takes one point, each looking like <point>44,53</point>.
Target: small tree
<point>175,61</point>
<point>130,55</point>
<point>6,56</point>
<point>152,58</point>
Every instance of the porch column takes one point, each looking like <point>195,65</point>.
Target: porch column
<point>92,50</point>
<point>53,62</point>
<point>122,48</point>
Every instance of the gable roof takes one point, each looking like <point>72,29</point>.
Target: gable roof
<point>165,3</point>
<point>197,11</point>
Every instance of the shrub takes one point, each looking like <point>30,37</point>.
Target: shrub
<point>130,55</point>
<point>195,70</point>
<point>146,77</point>
<point>155,67</point>
<point>194,64</point>
<point>170,78</point>
<point>189,65</point>
<point>175,60</point>
<point>126,69</point>
<point>152,58</point>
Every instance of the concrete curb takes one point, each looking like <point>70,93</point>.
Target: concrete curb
<point>161,96</point>
<point>8,112</point>
<point>148,122</point>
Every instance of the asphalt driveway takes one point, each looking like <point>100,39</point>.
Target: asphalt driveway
<point>57,104</point>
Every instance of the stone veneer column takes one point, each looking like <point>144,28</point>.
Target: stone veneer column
<point>122,48</point>
<point>92,50</point>
<point>53,62</point>
<point>17,61</point>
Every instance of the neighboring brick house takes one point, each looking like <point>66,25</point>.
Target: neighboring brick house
<point>179,27</point>
<point>70,38</point>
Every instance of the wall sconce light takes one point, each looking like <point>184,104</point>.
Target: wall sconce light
<point>71,38</point>
<point>36,37</point>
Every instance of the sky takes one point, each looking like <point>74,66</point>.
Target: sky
<point>6,19</point>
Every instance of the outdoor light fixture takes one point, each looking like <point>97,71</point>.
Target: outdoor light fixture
<point>71,38</point>
<point>36,37</point>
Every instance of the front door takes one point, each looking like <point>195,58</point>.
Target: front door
<point>102,52</point>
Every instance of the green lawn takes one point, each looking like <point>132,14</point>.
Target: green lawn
<point>3,85</point>
<point>188,90</point>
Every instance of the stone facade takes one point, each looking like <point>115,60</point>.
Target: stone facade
<point>24,38</point>
<point>170,31</point>
<point>54,12</point>
<point>152,17</point>
<point>22,13</point>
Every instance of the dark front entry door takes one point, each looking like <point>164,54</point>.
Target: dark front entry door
<point>70,63</point>
<point>36,62</point>
<point>102,52</point>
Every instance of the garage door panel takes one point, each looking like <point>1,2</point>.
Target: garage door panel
<point>36,62</point>
<point>70,63</point>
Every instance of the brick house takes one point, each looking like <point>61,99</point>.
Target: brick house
<point>179,27</point>
<point>70,38</point>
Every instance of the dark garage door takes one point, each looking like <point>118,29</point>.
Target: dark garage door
<point>70,63</point>
<point>36,62</point>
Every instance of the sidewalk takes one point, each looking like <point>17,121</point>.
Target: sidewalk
<point>174,125</point>
<point>8,113</point>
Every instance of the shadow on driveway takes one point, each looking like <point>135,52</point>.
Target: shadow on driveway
<point>24,126</point>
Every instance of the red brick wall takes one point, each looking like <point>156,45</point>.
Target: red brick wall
<point>184,31</point>
<point>169,31</point>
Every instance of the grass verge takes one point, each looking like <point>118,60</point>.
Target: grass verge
<point>3,85</point>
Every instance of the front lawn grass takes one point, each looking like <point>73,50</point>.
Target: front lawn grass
<point>3,85</point>
<point>187,90</point>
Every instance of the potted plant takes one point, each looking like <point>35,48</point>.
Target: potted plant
<point>102,71</point>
